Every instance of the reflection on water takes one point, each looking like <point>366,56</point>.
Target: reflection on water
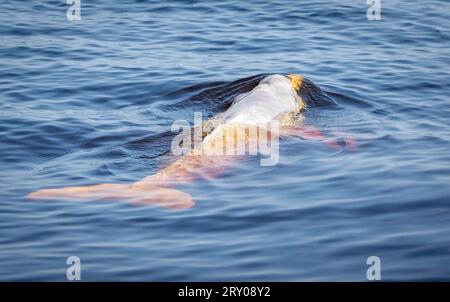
<point>92,102</point>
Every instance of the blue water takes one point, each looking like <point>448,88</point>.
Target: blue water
<point>92,101</point>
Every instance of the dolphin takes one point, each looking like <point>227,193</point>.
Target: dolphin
<point>275,100</point>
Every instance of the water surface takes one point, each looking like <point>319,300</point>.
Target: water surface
<point>92,101</point>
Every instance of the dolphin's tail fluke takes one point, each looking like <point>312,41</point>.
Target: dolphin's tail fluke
<point>148,195</point>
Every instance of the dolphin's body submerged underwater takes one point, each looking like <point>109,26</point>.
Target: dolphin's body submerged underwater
<point>276,98</point>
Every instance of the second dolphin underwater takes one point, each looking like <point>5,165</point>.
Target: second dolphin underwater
<point>275,98</point>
